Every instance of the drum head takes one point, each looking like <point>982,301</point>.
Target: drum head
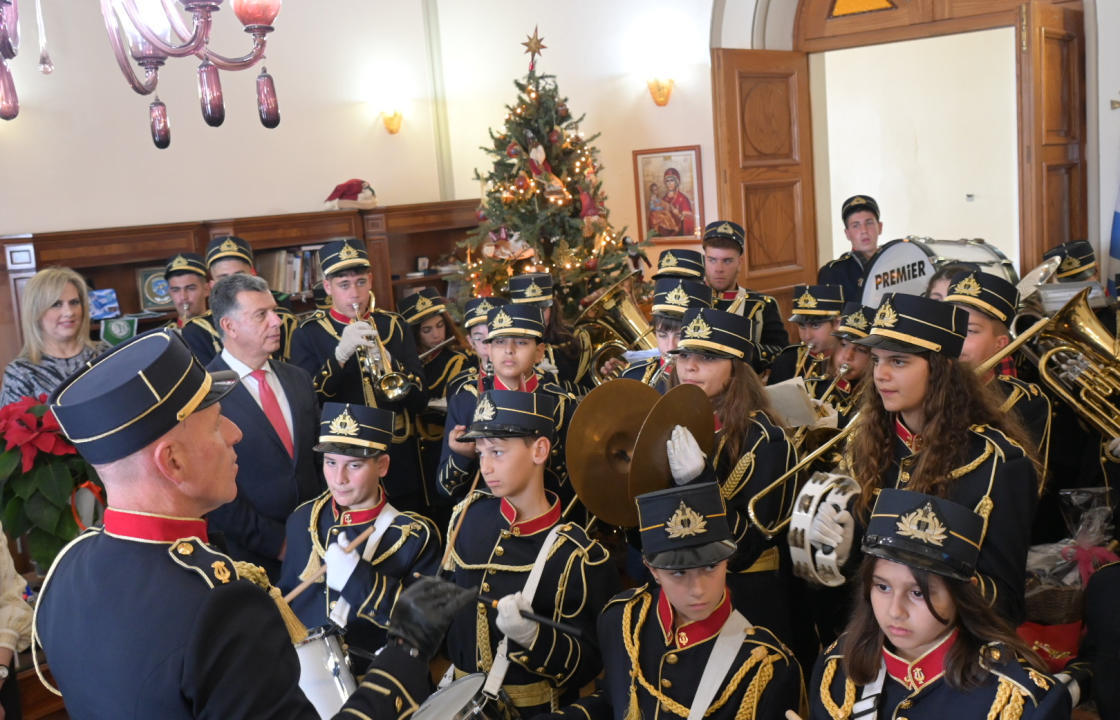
<point>904,266</point>
<point>446,703</point>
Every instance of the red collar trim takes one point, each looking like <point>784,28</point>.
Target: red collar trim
<point>923,671</point>
<point>532,525</point>
<point>730,294</point>
<point>719,425</point>
<point>912,441</point>
<point>530,384</point>
<point>843,385</point>
<point>179,323</point>
<point>358,517</point>
<point>339,317</point>
<point>691,633</point>
<point>153,528</point>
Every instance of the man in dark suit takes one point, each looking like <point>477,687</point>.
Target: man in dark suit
<point>274,406</point>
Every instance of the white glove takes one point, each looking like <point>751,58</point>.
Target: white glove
<point>833,527</point>
<point>521,630</point>
<point>1113,447</point>
<point>340,564</point>
<point>1071,686</point>
<point>354,335</point>
<point>686,460</point>
<point>546,367</point>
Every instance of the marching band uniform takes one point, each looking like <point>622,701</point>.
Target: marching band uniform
<point>680,263</point>
<point>313,349</point>
<point>848,270</point>
<point>183,264</point>
<point>473,372</point>
<point>570,371</point>
<point>855,321</point>
<point>762,309</point>
<point>671,297</point>
<point>496,552</point>
<point>402,543</point>
<point>918,689</point>
<point>456,471</point>
<point>168,627</point>
<point>997,478</point>
<point>810,303</point>
<point>654,666</point>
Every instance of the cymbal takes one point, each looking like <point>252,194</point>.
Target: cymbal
<point>600,445</point>
<point>685,405</point>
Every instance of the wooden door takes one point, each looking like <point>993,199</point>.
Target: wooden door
<point>764,165</point>
<point>1053,205</point>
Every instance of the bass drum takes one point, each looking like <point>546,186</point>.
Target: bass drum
<point>465,699</point>
<point>906,265</point>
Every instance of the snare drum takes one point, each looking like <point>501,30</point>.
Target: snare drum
<point>465,700</point>
<point>324,673</point>
<point>906,265</point>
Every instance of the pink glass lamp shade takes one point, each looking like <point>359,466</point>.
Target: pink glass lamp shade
<point>210,94</point>
<point>9,101</point>
<point>267,104</point>
<point>256,12</point>
<point>161,128</point>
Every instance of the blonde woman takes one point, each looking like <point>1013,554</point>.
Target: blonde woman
<point>56,342</point>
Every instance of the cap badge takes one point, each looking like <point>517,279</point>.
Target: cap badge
<point>229,246</point>
<point>968,286</point>
<point>347,252</point>
<point>924,526</point>
<point>180,262</point>
<point>856,320</point>
<point>221,571</point>
<point>484,307</point>
<point>698,328</point>
<point>886,317</point>
<point>677,296</point>
<point>501,321</point>
<point>344,424</point>
<point>806,300</point>
<point>857,200</point>
<point>533,290</point>
<point>668,260</point>
<point>1070,263</point>
<point>484,411</point>
<point>423,303</point>
<point>726,229</point>
<point>686,522</point>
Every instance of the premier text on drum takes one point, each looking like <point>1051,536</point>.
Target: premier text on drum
<point>894,276</point>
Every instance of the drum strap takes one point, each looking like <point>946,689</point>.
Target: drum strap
<point>497,674</point>
<point>868,701</point>
<point>385,518</point>
<point>724,652</point>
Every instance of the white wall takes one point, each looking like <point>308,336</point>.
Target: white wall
<point>919,125</point>
<point>1103,54</point>
<point>80,155</point>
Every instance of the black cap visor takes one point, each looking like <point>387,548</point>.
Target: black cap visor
<point>692,557</point>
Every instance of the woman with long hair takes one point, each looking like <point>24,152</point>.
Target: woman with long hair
<point>751,451</point>
<point>926,423</point>
<point>923,641</point>
<point>54,316</point>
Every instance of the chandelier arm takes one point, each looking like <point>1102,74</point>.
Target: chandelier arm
<point>240,63</point>
<point>120,51</point>
<point>202,24</point>
<point>9,29</point>
<point>176,20</point>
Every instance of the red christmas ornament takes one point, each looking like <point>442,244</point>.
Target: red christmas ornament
<point>554,136</point>
<point>591,264</point>
<point>513,149</point>
<point>480,214</point>
<point>522,181</point>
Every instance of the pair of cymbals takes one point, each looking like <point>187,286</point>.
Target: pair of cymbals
<point>615,447</point>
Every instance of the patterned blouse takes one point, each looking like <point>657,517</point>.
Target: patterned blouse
<point>24,378</point>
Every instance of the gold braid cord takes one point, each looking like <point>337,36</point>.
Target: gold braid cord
<point>485,655</point>
<point>747,708</point>
<point>257,575</point>
<point>838,712</point>
<point>1008,703</point>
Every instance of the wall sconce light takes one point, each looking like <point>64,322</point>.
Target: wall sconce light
<point>392,121</point>
<point>660,90</point>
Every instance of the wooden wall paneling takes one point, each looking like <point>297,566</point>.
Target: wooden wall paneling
<point>377,245</point>
<point>283,231</point>
<point>814,20</point>
<point>764,165</point>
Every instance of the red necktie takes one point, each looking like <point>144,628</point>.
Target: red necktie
<point>272,411</point>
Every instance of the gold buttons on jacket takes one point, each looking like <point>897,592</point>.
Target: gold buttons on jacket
<point>485,587</point>
<point>671,659</point>
<point>184,548</point>
<point>499,551</point>
<point>665,683</point>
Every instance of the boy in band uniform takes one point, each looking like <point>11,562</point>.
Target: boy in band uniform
<point>860,214</point>
<point>474,323</point>
<point>662,645</point>
<point>816,312</point>
<point>855,322</point>
<point>565,358</point>
<point>186,283</point>
<point>507,529</point>
<point>671,297</point>
<point>514,340</point>
<point>361,586</point>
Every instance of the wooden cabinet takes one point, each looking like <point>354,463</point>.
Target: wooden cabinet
<point>110,257</point>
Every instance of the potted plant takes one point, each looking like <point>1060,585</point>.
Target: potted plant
<point>40,475</point>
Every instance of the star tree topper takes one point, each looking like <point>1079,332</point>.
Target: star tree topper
<point>533,46</point>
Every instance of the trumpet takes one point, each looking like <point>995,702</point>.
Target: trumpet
<point>378,382</point>
<point>799,436</point>
<point>186,312</point>
<point>664,370</point>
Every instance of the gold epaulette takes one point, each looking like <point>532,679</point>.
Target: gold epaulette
<point>836,711</point>
<point>212,566</point>
<point>313,317</point>
<point>1018,681</point>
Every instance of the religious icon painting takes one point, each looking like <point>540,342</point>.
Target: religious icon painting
<point>667,184</point>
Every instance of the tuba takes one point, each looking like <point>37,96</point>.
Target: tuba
<point>611,326</point>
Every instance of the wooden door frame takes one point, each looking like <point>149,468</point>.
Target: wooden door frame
<point>949,17</point>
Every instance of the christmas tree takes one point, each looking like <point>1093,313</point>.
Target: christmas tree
<point>543,207</point>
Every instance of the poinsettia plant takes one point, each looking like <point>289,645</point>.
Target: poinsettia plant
<point>40,472</point>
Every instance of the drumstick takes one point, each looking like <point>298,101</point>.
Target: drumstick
<point>323,570</point>
<point>454,535</point>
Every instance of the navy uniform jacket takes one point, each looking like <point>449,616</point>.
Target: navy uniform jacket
<point>202,337</point>
<point>313,350</point>
<point>410,544</point>
<point>1032,407</point>
<point>439,371</point>
<point>636,631</point>
<point>160,627</point>
<point>456,472</point>
<point>495,554</point>
<point>270,483</point>
<point>765,312</point>
<point>785,367</point>
<point>997,481</point>
<point>645,372</point>
<point>573,371</point>
<point>847,271</point>
<point>1012,689</point>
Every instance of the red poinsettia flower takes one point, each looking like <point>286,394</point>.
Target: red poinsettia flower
<point>32,433</point>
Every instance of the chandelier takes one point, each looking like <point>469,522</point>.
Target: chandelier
<point>148,32</point>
